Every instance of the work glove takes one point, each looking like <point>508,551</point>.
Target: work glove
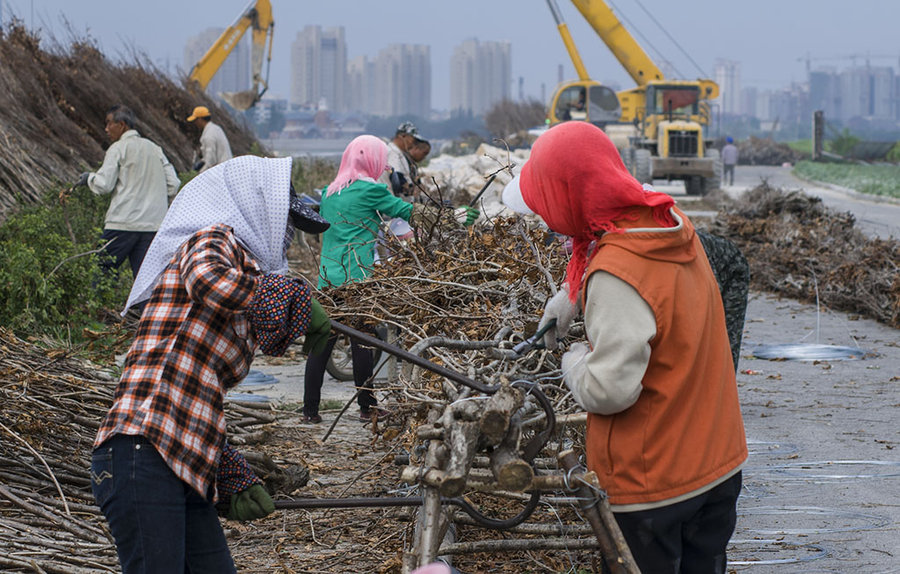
<point>561,308</point>
<point>251,504</point>
<point>466,215</point>
<point>83,179</point>
<point>318,330</point>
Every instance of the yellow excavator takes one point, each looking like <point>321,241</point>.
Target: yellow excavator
<point>660,127</point>
<point>258,17</point>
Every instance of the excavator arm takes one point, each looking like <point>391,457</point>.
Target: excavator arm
<point>258,17</point>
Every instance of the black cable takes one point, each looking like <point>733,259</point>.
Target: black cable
<point>674,41</point>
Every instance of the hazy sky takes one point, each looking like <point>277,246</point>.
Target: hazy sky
<point>770,38</point>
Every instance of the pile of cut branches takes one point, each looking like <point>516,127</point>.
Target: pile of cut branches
<point>801,249</point>
<point>54,101</point>
<point>53,405</point>
<point>476,291</point>
<point>766,151</point>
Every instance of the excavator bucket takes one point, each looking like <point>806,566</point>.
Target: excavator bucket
<point>241,100</point>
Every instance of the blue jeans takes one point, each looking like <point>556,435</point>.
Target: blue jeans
<point>160,524</point>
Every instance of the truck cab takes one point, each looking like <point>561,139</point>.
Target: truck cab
<point>586,101</point>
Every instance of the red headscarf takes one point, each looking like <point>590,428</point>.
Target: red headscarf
<point>364,158</point>
<point>576,181</point>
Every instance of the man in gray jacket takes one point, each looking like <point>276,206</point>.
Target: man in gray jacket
<point>729,160</point>
<point>141,180</point>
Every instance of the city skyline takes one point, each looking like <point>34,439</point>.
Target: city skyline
<point>770,39</point>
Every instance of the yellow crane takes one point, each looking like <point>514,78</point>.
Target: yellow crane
<point>257,16</point>
<point>660,126</point>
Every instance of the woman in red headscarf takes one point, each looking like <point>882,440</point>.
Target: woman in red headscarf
<point>664,431</point>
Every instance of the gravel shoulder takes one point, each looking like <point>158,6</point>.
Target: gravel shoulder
<point>823,479</point>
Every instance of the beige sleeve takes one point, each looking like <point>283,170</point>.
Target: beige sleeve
<point>620,325</point>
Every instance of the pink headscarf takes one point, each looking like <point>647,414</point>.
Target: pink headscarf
<point>364,158</point>
<point>576,181</point>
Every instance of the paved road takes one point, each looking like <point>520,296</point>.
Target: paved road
<point>876,216</point>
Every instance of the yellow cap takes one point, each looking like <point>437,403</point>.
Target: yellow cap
<point>199,112</point>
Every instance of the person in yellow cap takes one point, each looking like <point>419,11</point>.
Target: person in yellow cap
<point>214,148</point>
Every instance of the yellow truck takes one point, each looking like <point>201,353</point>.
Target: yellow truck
<point>660,126</point>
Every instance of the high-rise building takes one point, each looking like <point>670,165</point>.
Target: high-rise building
<point>233,75</point>
<point>825,93</point>
<point>403,81</point>
<point>361,85</point>
<point>858,92</point>
<point>727,74</point>
<point>749,97</point>
<point>884,93</point>
<point>319,68</point>
<point>480,75</point>
<point>396,83</point>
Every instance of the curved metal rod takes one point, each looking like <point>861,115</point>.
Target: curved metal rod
<point>387,501</point>
<point>405,355</point>
<point>494,523</point>
<point>537,443</point>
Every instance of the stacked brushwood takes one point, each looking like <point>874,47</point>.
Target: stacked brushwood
<point>766,151</point>
<point>53,104</point>
<point>52,409</point>
<point>801,249</point>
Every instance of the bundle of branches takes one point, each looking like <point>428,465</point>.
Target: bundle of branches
<point>766,151</point>
<point>466,296</point>
<point>799,248</point>
<point>53,405</point>
<point>54,102</point>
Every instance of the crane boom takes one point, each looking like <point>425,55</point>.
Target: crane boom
<point>258,17</point>
<point>619,41</point>
<point>568,41</point>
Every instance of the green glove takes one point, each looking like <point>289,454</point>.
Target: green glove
<point>251,504</point>
<point>466,215</point>
<point>318,330</point>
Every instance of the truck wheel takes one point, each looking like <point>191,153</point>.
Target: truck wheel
<point>693,185</point>
<point>713,183</point>
<point>340,363</point>
<point>643,166</point>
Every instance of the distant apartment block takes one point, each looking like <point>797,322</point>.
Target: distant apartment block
<point>233,75</point>
<point>396,83</point>
<point>858,92</point>
<point>361,85</point>
<point>727,74</point>
<point>480,76</point>
<point>319,69</point>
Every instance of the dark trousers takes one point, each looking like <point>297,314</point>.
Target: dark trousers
<point>688,537</point>
<point>363,367</point>
<point>728,173</point>
<point>160,524</point>
<point>131,245</point>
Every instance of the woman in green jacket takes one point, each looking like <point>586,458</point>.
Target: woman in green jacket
<point>355,205</point>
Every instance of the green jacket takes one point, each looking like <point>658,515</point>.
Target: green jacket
<point>348,246</point>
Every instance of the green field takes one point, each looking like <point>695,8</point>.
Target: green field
<point>883,180</point>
